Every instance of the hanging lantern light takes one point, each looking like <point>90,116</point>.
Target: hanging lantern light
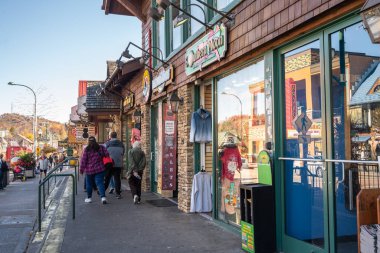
<point>370,13</point>
<point>174,102</point>
<point>137,115</point>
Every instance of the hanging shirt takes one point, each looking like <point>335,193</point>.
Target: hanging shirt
<point>231,161</point>
<point>201,130</point>
<point>201,195</point>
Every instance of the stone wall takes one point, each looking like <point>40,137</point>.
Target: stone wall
<point>185,148</point>
<point>145,141</point>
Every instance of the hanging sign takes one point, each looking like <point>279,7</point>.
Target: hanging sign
<point>129,102</point>
<point>169,154</point>
<point>209,49</point>
<point>264,168</point>
<point>163,78</point>
<point>147,85</point>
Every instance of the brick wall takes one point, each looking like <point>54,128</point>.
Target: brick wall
<point>185,148</point>
<point>145,141</point>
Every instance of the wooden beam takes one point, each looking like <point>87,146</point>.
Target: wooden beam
<point>136,11</point>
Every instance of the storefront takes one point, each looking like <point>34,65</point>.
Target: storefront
<point>298,79</point>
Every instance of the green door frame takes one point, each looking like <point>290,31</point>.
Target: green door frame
<point>291,244</point>
<point>286,243</point>
<point>153,130</point>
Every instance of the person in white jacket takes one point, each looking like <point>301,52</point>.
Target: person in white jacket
<point>43,164</point>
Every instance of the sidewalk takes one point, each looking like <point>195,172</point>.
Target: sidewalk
<point>18,209</point>
<point>121,226</point>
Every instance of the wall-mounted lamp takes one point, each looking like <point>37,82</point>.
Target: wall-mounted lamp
<point>127,55</point>
<point>370,13</point>
<point>145,57</point>
<point>174,102</point>
<point>138,115</point>
<point>182,18</point>
<point>158,13</point>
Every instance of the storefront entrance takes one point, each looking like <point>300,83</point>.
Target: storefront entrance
<point>329,137</point>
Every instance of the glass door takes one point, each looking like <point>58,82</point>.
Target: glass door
<point>354,72</point>
<point>330,139</point>
<point>303,138</point>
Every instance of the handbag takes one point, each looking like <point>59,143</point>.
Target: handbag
<point>107,160</point>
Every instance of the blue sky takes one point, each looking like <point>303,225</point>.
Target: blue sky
<point>50,45</point>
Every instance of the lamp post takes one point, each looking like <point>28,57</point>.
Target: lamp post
<point>241,112</point>
<point>34,114</point>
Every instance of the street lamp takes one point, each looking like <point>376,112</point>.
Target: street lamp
<point>35,116</point>
<point>241,112</point>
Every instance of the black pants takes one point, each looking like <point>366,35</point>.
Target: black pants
<point>116,173</point>
<point>2,175</point>
<point>135,185</point>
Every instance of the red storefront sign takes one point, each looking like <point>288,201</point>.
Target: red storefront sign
<point>169,154</point>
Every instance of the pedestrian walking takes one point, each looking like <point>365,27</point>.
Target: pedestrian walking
<point>137,162</point>
<point>3,172</point>
<point>51,160</point>
<point>43,164</point>
<point>116,151</point>
<point>92,165</point>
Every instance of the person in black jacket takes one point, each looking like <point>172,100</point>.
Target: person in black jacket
<point>3,171</point>
<point>116,150</point>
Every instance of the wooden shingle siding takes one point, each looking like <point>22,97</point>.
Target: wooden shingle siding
<point>261,25</point>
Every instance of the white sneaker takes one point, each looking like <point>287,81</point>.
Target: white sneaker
<point>88,200</point>
<point>104,200</point>
<point>135,199</point>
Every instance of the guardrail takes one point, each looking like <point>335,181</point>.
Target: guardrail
<point>53,173</point>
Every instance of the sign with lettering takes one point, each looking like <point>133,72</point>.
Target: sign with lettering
<point>169,154</point>
<point>163,78</point>
<point>209,49</point>
<point>247,237</point>
<point>129,102</point>
<point>147,85</point>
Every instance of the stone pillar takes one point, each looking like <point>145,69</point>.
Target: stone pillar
<point>145,143</point>
<point>185,148</point>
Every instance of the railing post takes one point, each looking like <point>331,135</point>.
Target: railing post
<point>74,185</point>
<point>39,208</point>
<point>43,193</point>
<point>75,172</point>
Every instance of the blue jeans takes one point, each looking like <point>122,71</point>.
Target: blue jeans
<point>112,183</point>
<point>99,181</point>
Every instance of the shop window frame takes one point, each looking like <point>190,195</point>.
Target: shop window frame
<point>187,38</point>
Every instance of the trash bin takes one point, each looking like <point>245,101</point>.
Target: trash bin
<point>258,218</point>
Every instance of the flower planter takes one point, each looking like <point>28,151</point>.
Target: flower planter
<point>29,172</point>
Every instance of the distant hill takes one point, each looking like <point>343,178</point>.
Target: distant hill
<point>20,124</point>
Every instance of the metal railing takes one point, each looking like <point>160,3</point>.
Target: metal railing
<point>355,174</point>
<point>54,173</point>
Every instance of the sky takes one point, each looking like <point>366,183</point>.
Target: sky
<point>49,45</point>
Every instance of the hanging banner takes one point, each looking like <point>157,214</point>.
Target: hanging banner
<point>129,102</point>
<point>162,78</point>
<point>169,154</point>
<point>147,85</point>
<point>210,48</point>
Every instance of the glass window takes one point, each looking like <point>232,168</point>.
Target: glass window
<point>355,71</point>
<point>161,37</point>
<point>177,35</point>
<point>241,135</point>
<point>199,14</point>
<point>221,4</point>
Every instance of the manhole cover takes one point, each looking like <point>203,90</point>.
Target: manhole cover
<point>161,202</point>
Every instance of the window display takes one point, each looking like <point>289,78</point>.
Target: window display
<point>241,135</point>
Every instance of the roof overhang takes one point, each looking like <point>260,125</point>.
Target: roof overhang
<point>124,7</point>
<point>128,71</point>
